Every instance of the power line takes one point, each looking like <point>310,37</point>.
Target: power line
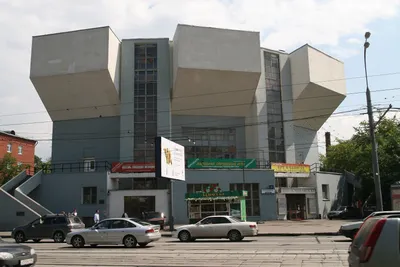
<point>120,136</point>
<point>218,93</point>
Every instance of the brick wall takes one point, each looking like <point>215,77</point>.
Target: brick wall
<point>28,150</point>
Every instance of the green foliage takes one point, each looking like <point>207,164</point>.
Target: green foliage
<point>42,165</point>
<point>354,155</point>
<point>9,168</point>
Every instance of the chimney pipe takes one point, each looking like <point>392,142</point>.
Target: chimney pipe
<point>327,140</point>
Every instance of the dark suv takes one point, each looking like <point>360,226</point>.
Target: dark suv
<point>52,226</point>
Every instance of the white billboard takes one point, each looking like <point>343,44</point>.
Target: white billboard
<point>170,159</point>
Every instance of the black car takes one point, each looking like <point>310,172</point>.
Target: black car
<point>52,226</point>
<point>344,212</point>
<point>16,255</point>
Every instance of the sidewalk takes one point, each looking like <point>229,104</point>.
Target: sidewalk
<point>281,228</point>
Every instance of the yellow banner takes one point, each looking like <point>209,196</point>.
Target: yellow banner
<point>290,168</point>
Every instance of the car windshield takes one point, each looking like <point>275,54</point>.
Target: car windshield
<point>75,219</point>
<point>152,215</point>
<point>136,220</point>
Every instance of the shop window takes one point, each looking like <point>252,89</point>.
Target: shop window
<point>325,191</point>
<point>89,195</point>
<point>9,148</point>
<point>252,199</point>
<point>144,183</point>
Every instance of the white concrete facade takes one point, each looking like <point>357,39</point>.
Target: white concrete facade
<point>215,71</point>
<point>76,74</point>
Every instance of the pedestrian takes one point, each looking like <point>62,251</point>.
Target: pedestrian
<point>75,213</point>
<point>125,215</point>
<point>96,217</point>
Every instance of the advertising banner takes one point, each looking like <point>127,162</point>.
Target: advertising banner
<point>132,167</point>
<point>170,159</point>
<point>290,168</point>
<point>209,163</point>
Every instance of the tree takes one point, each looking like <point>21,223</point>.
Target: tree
<point>9,168</point>
<point>354,155</point>
<point>42,165</point>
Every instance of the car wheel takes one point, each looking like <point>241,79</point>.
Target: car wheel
<point>130,241</point>
<point>19,237</point>
<point>58,237</point>
<point>184,236</point>
<point>78,242</point>
<point>142,245</point>
<point>93,245</point>
<point>36,240</point>
<point>234,236</point>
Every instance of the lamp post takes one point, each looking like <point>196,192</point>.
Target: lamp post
<point>375,161</point>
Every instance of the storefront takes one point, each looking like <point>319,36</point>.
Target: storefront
<point>214,201</point>
<point>296,199</point>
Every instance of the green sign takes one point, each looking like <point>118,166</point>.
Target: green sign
<point>219,194</point>
<point>209,163</point>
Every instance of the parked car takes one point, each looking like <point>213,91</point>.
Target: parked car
<point>350,229</point>
<point>154,217</point>
<point>115,231</point>
<point>52,226</point>
<point>344,212</point>
<point>377,243</point>
<point>216,227</point>
<point>139,221</point>
<point>12,254</point>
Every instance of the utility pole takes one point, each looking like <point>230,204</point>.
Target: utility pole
<point>375,161</point>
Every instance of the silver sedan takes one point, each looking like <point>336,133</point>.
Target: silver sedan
<point>129,232</point>
<point>217,227</point>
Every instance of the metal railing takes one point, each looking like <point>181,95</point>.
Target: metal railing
<point>98,166</point>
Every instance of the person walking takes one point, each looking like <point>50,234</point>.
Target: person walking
<point>96,217</point>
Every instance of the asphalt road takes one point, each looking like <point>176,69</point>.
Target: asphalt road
<point>259,251</point>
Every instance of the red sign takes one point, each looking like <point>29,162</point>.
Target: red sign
<point>131,167</point>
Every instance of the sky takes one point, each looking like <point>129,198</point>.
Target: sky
<point>336,27</point>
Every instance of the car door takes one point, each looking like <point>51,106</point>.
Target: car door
<point>117,231</point>
<point>203,228</point>
<point>41,230</point>
<point>220,226</point>
<point>98,233</point>
<point>32,231</point>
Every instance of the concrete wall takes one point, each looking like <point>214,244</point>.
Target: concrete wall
<point>63,192</point>
<point>116,200</point>
<point>14,182</point>
<point>13,212</point>
<point>127,92</point>
<point>22,192</point>
<point>224,178</point>
<point>335,181</point>
<point>287,108</point>
<point>75,140</point>
<point>237,50</point>
<point>183,121</point>
<point>306,144</point>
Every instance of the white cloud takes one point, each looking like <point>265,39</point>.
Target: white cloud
<point>354,41</point>
<point>284,24</point>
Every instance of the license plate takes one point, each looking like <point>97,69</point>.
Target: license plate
<point>26,262</point>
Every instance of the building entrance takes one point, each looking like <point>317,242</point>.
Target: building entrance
<point>296,206</point>
<point>135,206</point>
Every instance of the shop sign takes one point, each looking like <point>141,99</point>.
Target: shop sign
<point>218,194</point>
<point>290,168</point>
<point>267,191</point>
<point>297,190</point>
<point>132,167</point>
<point>210,163</point>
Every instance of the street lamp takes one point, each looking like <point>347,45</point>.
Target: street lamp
<point>375,161</point>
